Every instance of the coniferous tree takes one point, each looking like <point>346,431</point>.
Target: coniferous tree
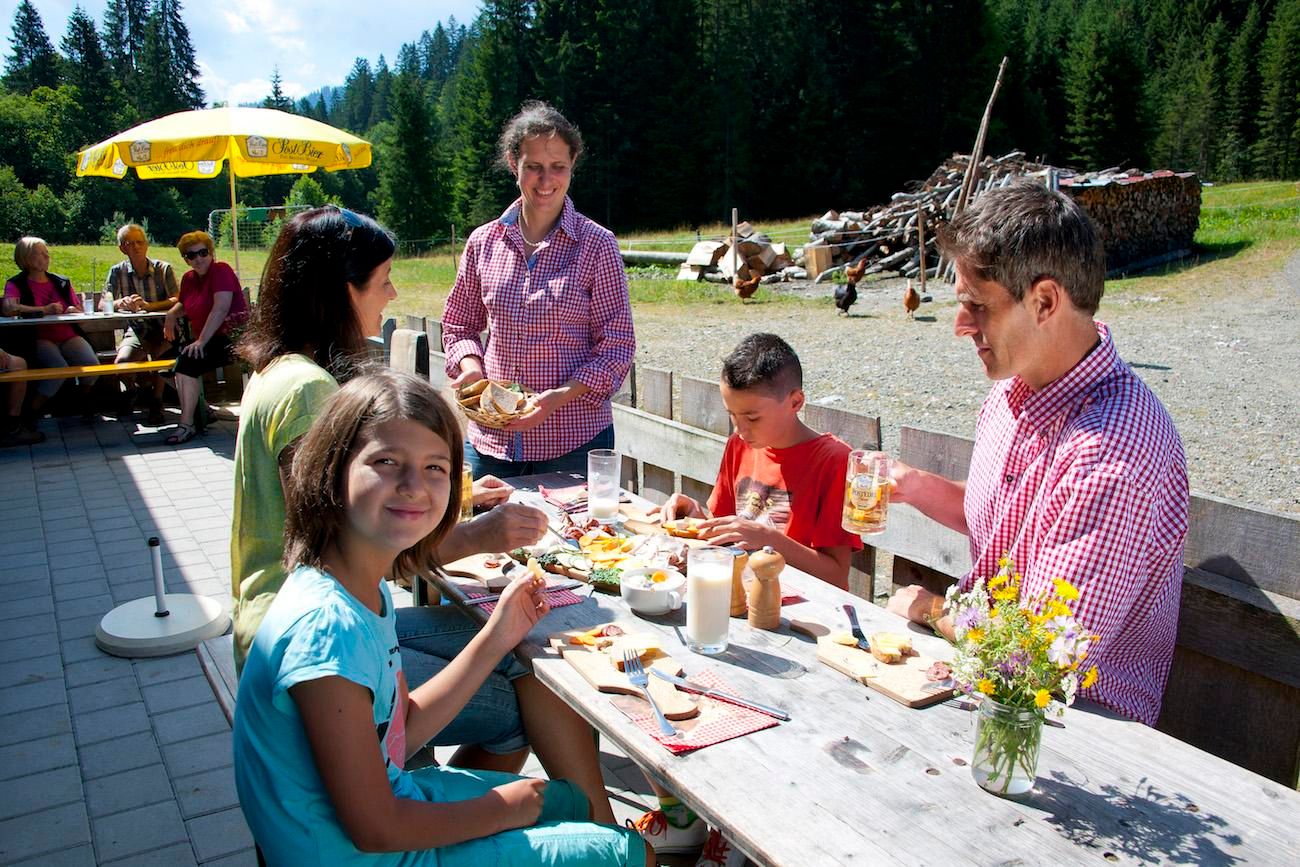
<point>167,73</point>
<point>412,200</point>
<point>1241,97</point>
<point>358,96</point>
<point>33,62</point>
<point>276,98</point>
<point>379,99</point>
<point>1103,83</point>
<point>1277,151</point>
<point>88,70</point>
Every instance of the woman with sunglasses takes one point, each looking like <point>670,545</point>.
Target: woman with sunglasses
<point>213,302</point>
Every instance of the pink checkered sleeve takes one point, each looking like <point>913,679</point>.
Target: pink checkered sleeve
<point>1103,541</point>
<point>613,341</point>
<point>464,317</point>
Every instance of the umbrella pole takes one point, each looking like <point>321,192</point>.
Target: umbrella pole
<point>234,216</point>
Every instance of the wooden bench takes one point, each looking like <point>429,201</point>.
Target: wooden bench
<point>217,659</point>
<point>1234,687</point>
<point>37,373</point>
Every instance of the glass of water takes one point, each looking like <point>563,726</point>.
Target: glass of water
<point>602,484</point>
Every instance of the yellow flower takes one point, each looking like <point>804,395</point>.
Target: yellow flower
<point>1065,589</point>
<point>975,636</point>
<point>1004,594</point>
<point>1004,562</point>
<point>985,686</point>
<point>1042,697</point>
<point>1090,678</point>
<point>998,580</point>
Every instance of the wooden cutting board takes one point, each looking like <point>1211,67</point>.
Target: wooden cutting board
<point>599,670</point>
<point>905,682</point>
<point>475,567</point>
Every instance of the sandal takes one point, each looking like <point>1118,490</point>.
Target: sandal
<point>184,433</point>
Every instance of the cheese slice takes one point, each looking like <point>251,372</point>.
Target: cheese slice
<point>646,647</point>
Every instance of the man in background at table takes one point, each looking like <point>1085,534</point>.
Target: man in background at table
<point>1077,471</point>
<point>140,284</point>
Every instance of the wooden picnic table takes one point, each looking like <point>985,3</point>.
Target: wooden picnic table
<point>857,778</point>
<point>116,318</point>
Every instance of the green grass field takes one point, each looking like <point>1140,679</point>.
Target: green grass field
<point>1247,231</point>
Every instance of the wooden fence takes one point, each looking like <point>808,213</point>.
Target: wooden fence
<point>1234,688</point>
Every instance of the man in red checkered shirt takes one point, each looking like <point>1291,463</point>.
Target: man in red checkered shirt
<point>1077,470</point>
<point>549,286</point>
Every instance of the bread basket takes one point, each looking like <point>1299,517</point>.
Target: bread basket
<point>492,403</point>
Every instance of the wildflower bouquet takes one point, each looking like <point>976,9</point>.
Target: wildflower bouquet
<point>1025,658</point>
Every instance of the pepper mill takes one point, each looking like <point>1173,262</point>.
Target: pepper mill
<point>739,606</point>
<point>765,591</point>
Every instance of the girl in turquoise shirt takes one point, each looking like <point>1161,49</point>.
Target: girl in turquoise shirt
<point>324,721</point>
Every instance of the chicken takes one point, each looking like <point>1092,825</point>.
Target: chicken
<point>746,288</point>
<point>855,271</point>
<point>845,297</point>
<point>911,300</point>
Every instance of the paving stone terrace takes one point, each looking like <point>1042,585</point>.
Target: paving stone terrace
<point>115,761</point>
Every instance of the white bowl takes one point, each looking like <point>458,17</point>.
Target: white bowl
<point>666,595</point>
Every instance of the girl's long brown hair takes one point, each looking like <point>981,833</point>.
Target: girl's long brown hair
<point>315,502</point>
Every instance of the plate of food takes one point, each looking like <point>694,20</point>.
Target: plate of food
<point>492,403</point>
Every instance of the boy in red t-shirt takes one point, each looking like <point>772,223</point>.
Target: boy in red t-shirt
<point>781,483</point>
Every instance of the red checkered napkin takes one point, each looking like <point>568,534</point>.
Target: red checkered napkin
<point>790,596</point>
<point>558,599</point>
<point>718,720</point>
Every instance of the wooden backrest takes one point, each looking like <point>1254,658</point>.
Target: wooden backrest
<point>1234,688</point>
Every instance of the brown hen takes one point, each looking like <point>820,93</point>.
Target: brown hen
<point>746,288</point>
<point>911,300</point>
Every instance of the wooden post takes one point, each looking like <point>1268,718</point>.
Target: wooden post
<point>735,254</point>
<point>920,240</point>
<point>977,152</point>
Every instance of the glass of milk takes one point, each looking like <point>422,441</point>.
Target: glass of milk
<point>602,484</point>
<point>708,599</point>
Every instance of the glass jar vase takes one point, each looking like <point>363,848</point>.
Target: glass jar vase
<point>1006,747</point>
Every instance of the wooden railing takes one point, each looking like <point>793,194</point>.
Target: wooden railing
<point>1234,688</point>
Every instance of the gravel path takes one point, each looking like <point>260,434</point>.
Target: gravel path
<point>1226,364</point>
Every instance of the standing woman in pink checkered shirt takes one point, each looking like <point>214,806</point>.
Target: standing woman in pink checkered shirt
<point>548,285</point>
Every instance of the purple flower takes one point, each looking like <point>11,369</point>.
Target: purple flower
<point>969,618</point>
<point>1013,664</point>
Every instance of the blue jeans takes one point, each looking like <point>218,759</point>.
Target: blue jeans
<point>573,462</point>
<point>430,637</point>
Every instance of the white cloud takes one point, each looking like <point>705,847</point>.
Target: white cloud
<point>256,15</point>
<point>251,90</point>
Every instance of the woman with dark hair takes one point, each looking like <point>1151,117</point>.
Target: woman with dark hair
<point>549,286</point>
<point>213,302</point>
<point>326,284</point>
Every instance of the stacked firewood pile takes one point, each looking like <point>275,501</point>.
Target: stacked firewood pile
<point>755,256</point>
<point>1140,216</point>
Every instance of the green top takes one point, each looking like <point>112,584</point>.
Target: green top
<point>279,405</point>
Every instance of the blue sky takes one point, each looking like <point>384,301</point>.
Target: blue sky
<point>238,42</point>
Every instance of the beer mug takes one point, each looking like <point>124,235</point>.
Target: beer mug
<point>466,493</point>
<point>866,492</point>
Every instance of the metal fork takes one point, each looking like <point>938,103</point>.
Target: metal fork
<point>636,675</point>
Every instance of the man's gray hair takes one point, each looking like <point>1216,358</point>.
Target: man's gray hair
<point>1024,232</point>
<point>122,232</point>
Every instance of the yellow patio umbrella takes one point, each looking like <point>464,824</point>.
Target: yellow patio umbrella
<point>197,144</point>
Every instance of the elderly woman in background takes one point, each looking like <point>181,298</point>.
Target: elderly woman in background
<point>549,285</point>
<point>34,290</point>
<point>213,302</point>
